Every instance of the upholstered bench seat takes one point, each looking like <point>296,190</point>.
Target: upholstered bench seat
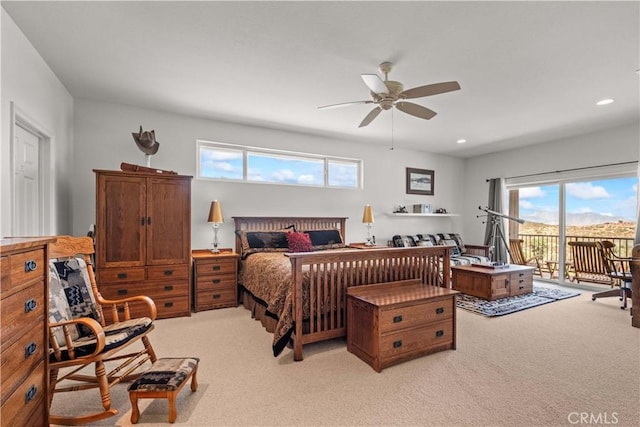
<point>164,379</point>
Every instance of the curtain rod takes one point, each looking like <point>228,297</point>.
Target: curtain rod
<point>570,170</point>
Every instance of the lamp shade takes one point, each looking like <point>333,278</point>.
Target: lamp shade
<point>215,212</point>
<point>367,215</point>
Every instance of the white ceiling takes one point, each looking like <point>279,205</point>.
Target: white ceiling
<point>530,72</point>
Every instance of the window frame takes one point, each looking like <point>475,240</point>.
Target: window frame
<point>246,151</point>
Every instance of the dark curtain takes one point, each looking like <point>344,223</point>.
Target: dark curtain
<point>495,235</point>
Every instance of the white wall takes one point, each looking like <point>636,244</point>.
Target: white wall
<point>103,140</point>
<point>616,145</point>
<point>29,82</point>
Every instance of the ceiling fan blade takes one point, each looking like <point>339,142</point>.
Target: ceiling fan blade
<point>428,90</point>
<point>372,115</point>
<point>375,83</point>
<point>345,104</point>
<point>415,110</point>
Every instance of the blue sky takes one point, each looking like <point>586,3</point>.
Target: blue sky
<point>614,198</point>
<point>219,163</point>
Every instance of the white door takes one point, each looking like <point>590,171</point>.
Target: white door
<point>27,212</point>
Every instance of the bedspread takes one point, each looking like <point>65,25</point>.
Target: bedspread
<point>267,276</point>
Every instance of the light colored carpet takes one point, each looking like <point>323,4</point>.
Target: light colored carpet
<point>552,365</point>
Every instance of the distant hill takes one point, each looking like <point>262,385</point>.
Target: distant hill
<point>609,229</point>
<point>578,219</point>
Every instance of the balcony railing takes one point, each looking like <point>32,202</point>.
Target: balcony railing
<point>545,247</point>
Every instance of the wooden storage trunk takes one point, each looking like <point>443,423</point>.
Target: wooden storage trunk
<point>393,322</point>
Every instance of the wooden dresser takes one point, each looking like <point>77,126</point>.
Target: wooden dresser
<point>215,279</point>
<point>492,284</point>
<point>393,322</point>
<point>143,239</point>
<point>24,336</point>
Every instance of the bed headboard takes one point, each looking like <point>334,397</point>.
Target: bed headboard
<point>273,223</point>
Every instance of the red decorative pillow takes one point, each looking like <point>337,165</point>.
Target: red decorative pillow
<point>299,242</point>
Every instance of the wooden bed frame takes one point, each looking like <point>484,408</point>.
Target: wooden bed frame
<point>331,272</point>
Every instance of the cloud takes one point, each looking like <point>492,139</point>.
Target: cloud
<point>525,204</point>
<point>587,191</point>
<point>531,193</point>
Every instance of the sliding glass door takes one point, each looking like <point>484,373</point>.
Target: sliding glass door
<point>573,210</point>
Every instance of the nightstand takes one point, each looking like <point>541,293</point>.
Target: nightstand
<point>215,279</point>
<point>364,246</point>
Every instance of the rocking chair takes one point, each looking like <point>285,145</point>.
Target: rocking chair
<point>79,336</point>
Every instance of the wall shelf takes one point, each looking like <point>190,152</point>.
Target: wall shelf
<point>423,214</point>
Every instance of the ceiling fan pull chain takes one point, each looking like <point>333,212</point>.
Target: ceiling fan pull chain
<point>391,131</point>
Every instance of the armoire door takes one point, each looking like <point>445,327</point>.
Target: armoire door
<point>121,221</point>
<point>168,221</point>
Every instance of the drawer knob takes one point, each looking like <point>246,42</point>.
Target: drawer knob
<point>30,265</point>
<point>216,296</point>
<point>29,350</point>
<point>216,281</point>
<point>397,344</point>
<point>168,304</point>
<point>168,272</point>
<point>439,310</point>
<point>397,319</point>
<point>440,333</point>
<point>122,275</point>
<point>215,267</point>
<point>168,288</point>
<point>30,394</point>
<point>122,291</point>
<point>30,305</point>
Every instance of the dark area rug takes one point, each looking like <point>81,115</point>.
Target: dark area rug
<point>500,307</point>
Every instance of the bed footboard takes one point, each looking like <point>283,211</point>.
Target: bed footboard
<point>330,273</point>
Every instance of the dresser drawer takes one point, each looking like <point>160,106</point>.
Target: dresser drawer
<point>160,289</point>
<point>215,267</point>
<point>119,275</point>
<point>5,275</point>
<point>415,315</point>
<point>417,340</point>
<point>25,268</point>
<point>25,400</point>
<point>22,311</point>
<point>222,297</point>
<point>173,307</point>
<point>204,283</point>
<point>168,272</point>
<point>21,357</point>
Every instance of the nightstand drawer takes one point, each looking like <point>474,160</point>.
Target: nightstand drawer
<point>215,282</point>
<point>215,267</point>
<point>224,297</point>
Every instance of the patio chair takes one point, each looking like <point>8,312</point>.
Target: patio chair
<point>588,264</point>
<point>518,257</point>
<point>618,269</point>
<point>79,336</point>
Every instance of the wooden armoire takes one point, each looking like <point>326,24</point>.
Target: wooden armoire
<point>143,238</point>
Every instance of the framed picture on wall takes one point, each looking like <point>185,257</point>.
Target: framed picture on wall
<point>420,181</point>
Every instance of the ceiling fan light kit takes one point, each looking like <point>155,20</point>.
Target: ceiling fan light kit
<point>387,94</point>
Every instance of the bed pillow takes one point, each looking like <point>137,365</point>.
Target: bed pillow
<point>263,240</point>
<point>299,242</point>
<point>325,239</point>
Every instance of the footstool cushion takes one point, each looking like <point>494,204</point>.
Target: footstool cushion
<point>163,379</point>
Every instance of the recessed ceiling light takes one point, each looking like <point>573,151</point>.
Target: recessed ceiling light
<point>461,141</point>
<point>605,101</point>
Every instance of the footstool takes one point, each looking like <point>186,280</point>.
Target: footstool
<point>164,379</point>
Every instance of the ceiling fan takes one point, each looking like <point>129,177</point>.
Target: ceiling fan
<point>387,94</point>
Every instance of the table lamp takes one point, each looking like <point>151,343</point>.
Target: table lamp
<point>215,219</point>
<point>367,218</point>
